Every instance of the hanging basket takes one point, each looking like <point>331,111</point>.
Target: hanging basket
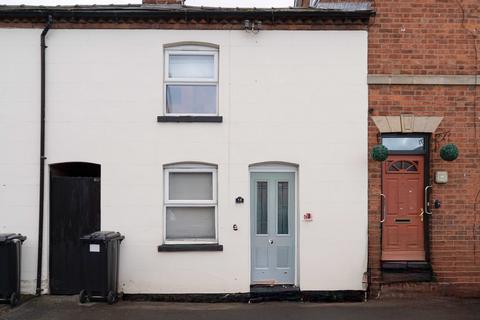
<point>379,152</point>
<point>449,152</point>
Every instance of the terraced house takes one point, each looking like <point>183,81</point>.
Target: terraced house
<point>232,146</point>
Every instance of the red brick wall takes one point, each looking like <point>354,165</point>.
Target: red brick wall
<point>424,37</point>
<point>455,227</point>
<point>433,37</point>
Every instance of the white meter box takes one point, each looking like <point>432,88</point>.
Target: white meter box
<point>441,177</point>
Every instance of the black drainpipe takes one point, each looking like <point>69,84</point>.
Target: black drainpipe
<point>42,155</point>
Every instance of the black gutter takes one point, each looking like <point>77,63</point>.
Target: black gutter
<point>42,155</point>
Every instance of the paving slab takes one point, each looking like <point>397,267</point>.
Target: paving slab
<point>68,308</point>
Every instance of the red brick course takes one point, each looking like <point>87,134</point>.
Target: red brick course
<point>190,25</point>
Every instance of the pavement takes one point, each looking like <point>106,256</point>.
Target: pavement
<point>67,307</point>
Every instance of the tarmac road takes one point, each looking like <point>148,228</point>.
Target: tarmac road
<point>68,308</point>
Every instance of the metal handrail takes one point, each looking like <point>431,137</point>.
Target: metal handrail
<point>427,203</point>
<point>384,206</point>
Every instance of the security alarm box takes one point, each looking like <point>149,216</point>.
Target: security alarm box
<point>441,177</point>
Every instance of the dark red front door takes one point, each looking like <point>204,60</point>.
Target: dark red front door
<point>403,187</point>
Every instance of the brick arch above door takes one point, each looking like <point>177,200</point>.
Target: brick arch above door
<point>406,123</point>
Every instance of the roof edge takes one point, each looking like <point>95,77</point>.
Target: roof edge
<point>183,14</point>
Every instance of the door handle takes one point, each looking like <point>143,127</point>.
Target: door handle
<point>384,206</point>
<point>270,241</point>
<point>427,204</point>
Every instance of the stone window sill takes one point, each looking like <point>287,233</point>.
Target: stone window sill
<point>216,119</point>
<point>190,247</point>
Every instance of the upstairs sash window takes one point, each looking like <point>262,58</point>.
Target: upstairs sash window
<point>191,81</point>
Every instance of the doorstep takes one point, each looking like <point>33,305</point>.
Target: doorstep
<point>406,271</point>
<point>261,293</point>
<point>279,292</point>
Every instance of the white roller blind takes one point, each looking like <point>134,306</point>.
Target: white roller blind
<point>191,99</point>
<point>190,223</point>
<point>191,66</point>
<point>190,186</point>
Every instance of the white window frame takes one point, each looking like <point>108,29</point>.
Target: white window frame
<point>190,203</point>
<point>190,50</point>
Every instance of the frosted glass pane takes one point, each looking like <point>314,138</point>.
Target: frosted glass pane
<point>192,99</point>
<point>282,208</point>
<point>190,223</point>
<point>404,143</point>
<point>190,186</point>
<point>262,212</point>
<point>191,66</point>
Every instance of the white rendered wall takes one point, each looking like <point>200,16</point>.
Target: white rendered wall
<point>293,96</point>
<point>19,142</point>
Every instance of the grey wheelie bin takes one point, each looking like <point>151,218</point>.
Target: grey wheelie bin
<point>10,262</point>
<point>100,255</point>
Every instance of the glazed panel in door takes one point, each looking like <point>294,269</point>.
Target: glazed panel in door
<point>273,228</point>
<point>403,187</point>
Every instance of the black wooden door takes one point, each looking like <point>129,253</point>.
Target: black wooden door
<point>74,212</point>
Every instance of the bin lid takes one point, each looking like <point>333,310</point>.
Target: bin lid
<point>8,237</point>
<point>103,236</point>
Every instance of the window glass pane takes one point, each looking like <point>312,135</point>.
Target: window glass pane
<point>200,99</point>
<point>190,223</point>
<point>190,186</point>
<point>404,144</point>
<point>262,207</point>
<point>403,165</point>
<point>191,66</point>
<point>283,208</point>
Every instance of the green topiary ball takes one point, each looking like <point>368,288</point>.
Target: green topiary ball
<point>379,152</point>
<point>449,152</point>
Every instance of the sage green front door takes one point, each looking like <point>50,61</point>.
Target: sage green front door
<point>272,227</point>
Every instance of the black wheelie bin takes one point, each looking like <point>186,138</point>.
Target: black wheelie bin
<point>100,254</point>
<point>10,263</point>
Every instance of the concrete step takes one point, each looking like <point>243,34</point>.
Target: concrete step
<point>407,271</point>
<point>410,290</point>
